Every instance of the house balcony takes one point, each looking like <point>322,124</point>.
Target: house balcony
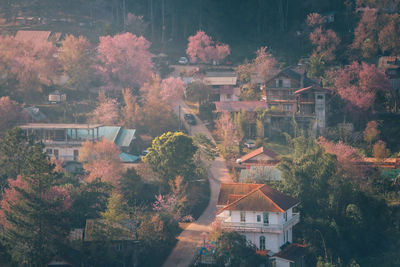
<point>260,227</point>
<point>66,158</point>
<point>69,143</point>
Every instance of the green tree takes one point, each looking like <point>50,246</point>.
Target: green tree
<point>37,221</point>
<point>241,122</point>
<point>156,232</point>
<point>198,91</point>
<point>132,187</point>
<point>206,148</point>
<point>115,224</point>
<point>171,154</point>
<point>15,149</point>
<point>234,250</point>
<point>335,213</point>
<point>76,56</point>
<point>89,199</point>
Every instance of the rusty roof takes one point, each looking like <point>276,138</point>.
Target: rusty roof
<point>233,191</point>
<point>261,198</point>
<point>259,151</point>
<point>35,37</point>
<point>314,87</point>
<point>390,62</point>
<point>292,252</point>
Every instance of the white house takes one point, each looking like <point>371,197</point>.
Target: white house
<point>223,84</point>
<point>64,141</point>
<point>263,215</point>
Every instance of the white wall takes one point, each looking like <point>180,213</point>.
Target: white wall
<point>63,152</point>
<point>251,217</point>
<point>271,240</point>
<point>282,263</point>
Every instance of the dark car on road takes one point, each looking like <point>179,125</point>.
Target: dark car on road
<point>190,119</point>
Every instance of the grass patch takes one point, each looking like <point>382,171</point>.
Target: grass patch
<point>280,149</point>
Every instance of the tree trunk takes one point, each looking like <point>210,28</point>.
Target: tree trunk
<point>163,24</point>
<point>152,20</point>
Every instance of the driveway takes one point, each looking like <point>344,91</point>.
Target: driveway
<point>190,239</point>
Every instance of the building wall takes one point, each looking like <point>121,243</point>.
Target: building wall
<point>271,240</point>
<point>228,97</point>
<point>65,153</point>
<point>251,217</point>
<point>281,263</point>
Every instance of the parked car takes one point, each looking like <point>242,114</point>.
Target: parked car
<point>250,144</point>
<point>190,119</point>
<point>183,60</point>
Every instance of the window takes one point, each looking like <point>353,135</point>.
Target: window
<point>320,97</point>
<point>280,83</point>
<point>118,247</point>
<point>228,96</point>
<point>49,151</point>
<point>262,242</point>
<point>287,107</point>
<point>258,218</point>
<point>285,216</point>
<point>76,154</point>
<point>242,216</point>
<point>265,217</point>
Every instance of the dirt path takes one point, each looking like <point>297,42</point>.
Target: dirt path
<point>190,239</point>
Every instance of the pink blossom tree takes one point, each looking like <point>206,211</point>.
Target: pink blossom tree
<point>106,112</point>
<point>359,83</point>
<point>223,51</point>
<point>325,41</point>
<point>101,160</point>
<point>172,89</point>
<point>366,33</point>
<point>264,64</point>
<point>346,156</point>
<point>315,20</point>
<point>201,47</point>
<point>125,61</point>
<point>31,65</point>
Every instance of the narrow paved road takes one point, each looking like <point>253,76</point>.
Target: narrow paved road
<point>190,239</point>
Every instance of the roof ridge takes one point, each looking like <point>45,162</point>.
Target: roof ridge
<point>255,189</point>
<point>276,205</point>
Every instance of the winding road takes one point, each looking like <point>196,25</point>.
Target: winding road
<point>190,239</point>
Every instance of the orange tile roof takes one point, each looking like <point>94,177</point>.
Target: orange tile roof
<point>292,252</point>
<point>262,198</point>
<point>263,253</point>
<point>235,190</point>
<point>35,37</point>
<point>257,152</point>
<point>316,87</point>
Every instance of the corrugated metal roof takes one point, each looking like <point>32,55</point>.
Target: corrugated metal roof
<point>260,174</point>
<point>109,132</point>
<point>259,151</point>
<point>128,158</point>
<point>125,137</point>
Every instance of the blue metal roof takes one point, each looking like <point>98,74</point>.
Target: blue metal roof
<point>125,137</point>
<point>109,132</point>
<point>128,158</point>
